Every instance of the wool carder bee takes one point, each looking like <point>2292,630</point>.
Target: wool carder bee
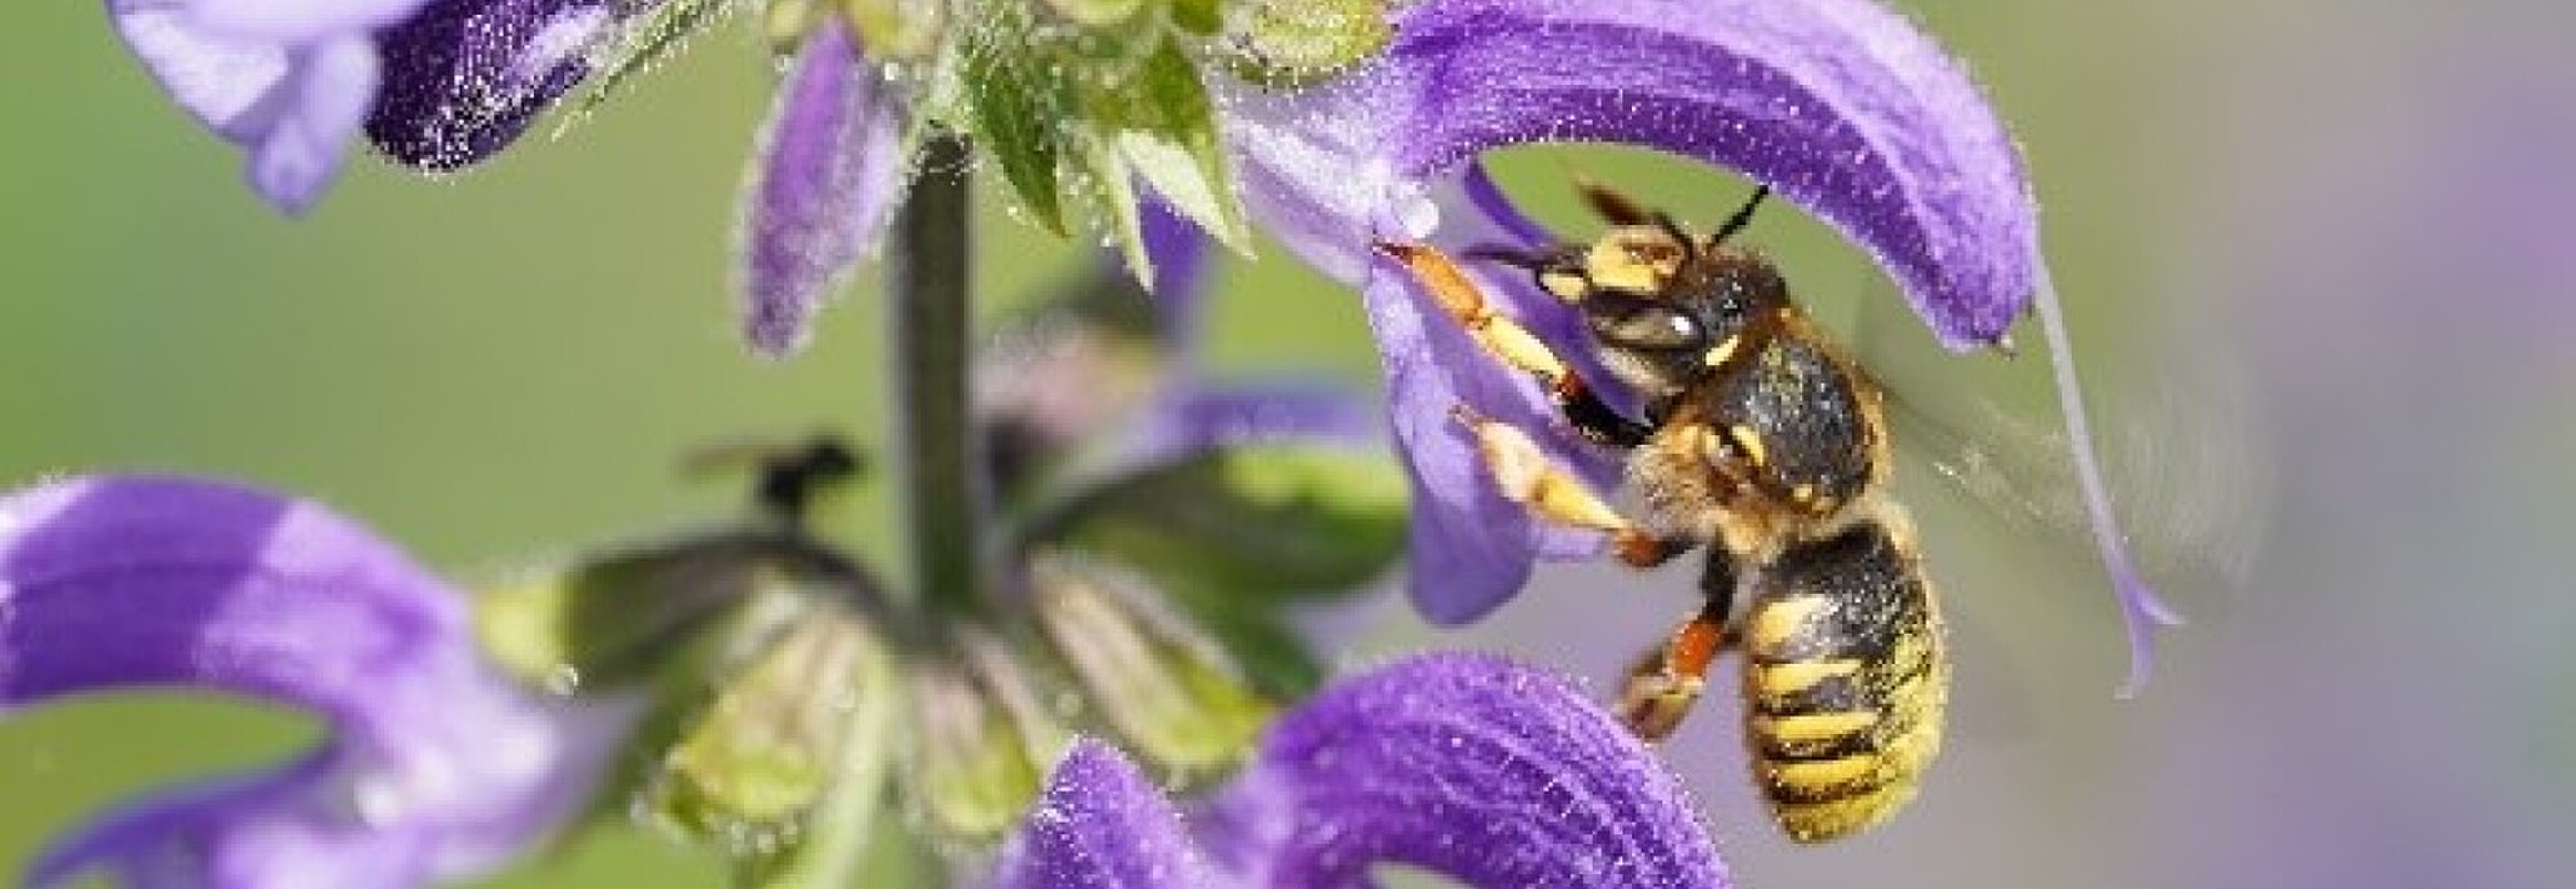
<point>1762,440</point>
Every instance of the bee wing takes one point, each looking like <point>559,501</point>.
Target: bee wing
<point>2177,448</point>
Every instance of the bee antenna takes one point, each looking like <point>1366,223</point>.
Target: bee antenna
<point>1743,215</point>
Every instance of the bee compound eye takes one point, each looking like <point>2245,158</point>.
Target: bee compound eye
<point>1650,326</point>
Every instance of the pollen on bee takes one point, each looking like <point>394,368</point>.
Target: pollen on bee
<point>1775,625</point>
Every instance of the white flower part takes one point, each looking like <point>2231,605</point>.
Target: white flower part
<point>291,21</point>
<point>223,82</point>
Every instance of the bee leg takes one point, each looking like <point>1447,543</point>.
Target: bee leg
<point>1515,346</point>
<point>1668,678</point>
<point>1523,474</point>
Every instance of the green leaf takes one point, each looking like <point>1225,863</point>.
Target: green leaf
<point>1017,102</point>
<point>643,44</point>
<point>1165,126</point>
<point>1266,521</point>
<point>1289,43</point>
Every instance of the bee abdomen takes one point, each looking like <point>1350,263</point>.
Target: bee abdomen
<point>1845,680</point>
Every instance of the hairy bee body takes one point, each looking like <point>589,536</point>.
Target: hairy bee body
<point>1785,442</point>
<point>1845,677</point>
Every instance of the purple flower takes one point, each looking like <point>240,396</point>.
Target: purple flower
<point>287,80</point>
<point>435,768</point>
<point>294,81</point>
<point>1465,765</point>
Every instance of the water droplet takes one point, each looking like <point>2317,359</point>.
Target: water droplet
<point>564,680</point>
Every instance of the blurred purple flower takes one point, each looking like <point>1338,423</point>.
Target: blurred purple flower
<point>287,80</point>
<point>294,81</point>
<point>435,767</point>
<point>1480,769</point>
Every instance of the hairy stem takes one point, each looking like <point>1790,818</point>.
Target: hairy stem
<point>941,468</point>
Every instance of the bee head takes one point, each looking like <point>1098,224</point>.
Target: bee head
<point>1660,341</point>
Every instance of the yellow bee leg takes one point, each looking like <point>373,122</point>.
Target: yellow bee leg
<point>1514,345</point>
<point>1458,297</point>
<point>1523,474</point>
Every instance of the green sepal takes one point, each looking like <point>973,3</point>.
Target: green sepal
<point>1273,520</point>
<point>980,742</point>
<point>1201,17</point>
<point>895,30</point>
<point>644,43</point>
<point>1105,175</point>
<point>1096,13</point>
<point>1164,684</point>
<point>1164,125</point>
<point>1017,102</point>
<point>760,757</point>
<point>612,620</point>
<point>841,835</point>
<point>1291,43</point>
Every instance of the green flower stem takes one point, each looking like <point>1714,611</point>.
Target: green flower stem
<point>941,461</point>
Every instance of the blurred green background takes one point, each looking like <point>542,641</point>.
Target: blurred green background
<point>501,368</point>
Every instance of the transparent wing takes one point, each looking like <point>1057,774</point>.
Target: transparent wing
<point>2179,448</point>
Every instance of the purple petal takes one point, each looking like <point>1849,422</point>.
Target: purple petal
<point>465,77</point>
<point>830,172</point>
<point>436,767</point>
<point>293,106</point>
<point>1840,105</point>
<point>1492,773</point>
<point>1179,252</point>
<point>1471,549</point>
<point>1100,825</point>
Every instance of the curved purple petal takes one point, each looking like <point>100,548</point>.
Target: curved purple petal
<point>436,766</point>
<point>1182,273</point>
<point>1100,825</point>
<point>1840,105</point>
<point>465,77</point>
<point>831,169</point>
<point>1468,765</point>
<point>293,107</point>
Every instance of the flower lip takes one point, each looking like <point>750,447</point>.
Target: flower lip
<point>292,103</point>
<point>435,767</point>
<point>1470,766</point>
<point>464,78</point>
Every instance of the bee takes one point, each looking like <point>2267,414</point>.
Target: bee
<point>1764,441</point>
